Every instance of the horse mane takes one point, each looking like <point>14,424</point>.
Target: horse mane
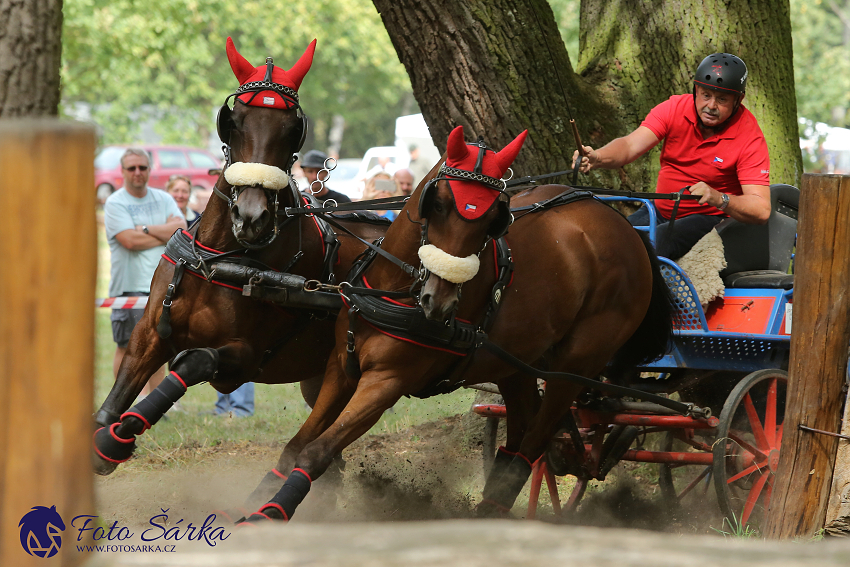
<point>654,336</point>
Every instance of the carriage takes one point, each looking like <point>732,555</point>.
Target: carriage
<point>731,357</point>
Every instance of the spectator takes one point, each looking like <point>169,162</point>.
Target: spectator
<point>417,165</point>
<point>713,144</point>
<point>381,186</point>
<point>139,220</point>
<point>404,179</point>
<point>311,164</point>
<point>384,165</point>
<point>180,188</point>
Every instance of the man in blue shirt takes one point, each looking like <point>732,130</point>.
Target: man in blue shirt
<point>139,221</point>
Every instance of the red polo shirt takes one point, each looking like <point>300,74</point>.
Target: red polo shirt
<point>736,156</point>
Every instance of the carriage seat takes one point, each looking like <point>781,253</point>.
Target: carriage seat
<point>758,256</point>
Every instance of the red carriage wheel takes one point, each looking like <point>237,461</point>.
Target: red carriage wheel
<point>746,454</point>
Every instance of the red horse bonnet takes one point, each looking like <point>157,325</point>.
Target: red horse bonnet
<point>285,81</point>
<point>474,194</point>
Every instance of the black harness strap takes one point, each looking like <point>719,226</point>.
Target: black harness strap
<point>405,267</point>
<point>163,328</point>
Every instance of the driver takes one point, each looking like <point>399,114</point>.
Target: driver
<point>712,143</point>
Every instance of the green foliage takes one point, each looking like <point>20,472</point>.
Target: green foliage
<point>567,16</point>
<point>169,57</point>
<point>821,33</point>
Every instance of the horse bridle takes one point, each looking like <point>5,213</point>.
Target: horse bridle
<point>225,126</point>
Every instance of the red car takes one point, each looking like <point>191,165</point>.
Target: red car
<point>166,161</point>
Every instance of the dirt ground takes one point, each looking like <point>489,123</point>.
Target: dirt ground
<point>428,472</point>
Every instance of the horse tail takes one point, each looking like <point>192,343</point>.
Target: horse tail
<point>654,336</point>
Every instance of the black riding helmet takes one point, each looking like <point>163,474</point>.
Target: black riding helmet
<point>722,72</point>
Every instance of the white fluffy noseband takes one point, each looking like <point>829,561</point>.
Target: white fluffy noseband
<point>450,268</point>
<point>251,174</point>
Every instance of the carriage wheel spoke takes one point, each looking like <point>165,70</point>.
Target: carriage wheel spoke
<point>753,497</point>
<point>755,424</point>
<point>738,438</point>
<point>747,471</point>
<point>694,482</point>
<point>770,414</point>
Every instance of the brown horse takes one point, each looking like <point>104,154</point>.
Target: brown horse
<point>586,289</point>
<point>253,341</point>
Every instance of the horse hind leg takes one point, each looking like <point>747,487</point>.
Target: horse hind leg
<point>522,402</point>
<point>116,443</point>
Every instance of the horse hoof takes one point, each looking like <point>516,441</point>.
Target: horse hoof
<point>101,466</point>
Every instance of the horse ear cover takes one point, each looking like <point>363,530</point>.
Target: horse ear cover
<point>247,73</point>
<point>472,199</point>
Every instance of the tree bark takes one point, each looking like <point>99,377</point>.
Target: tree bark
<point>500,66</point>
<point>30,57</point>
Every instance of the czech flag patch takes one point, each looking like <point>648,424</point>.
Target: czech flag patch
<point>471,207</point>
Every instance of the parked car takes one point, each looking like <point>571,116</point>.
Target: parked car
<point>195,163</point>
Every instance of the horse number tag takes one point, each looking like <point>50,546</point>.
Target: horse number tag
<point>268,100</point>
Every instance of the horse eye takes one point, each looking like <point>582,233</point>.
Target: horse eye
<point>438,206</point>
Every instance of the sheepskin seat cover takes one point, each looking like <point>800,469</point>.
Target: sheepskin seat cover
<point>703,264</point>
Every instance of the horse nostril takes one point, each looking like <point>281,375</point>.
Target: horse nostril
<point>260,222</point>
<point>425,301</point>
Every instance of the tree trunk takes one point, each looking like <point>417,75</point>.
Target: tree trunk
<point>500,66</point>
<point>30,56</point>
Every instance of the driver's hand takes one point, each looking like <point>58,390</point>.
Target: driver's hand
<point>707,195</point>
<point>588,161</point>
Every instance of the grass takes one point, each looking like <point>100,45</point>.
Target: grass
<point>736,530</point>
<point>279,408</point>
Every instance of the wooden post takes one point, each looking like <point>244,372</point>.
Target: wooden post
<point>818,365</point>
<point>48,251</point>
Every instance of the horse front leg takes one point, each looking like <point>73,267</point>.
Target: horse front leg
<point>116,443</point>
<point>336,391</point>
<point>376,392</point>
<point>146,353</point>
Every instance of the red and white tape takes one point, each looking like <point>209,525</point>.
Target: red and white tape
<point>137,302</point>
